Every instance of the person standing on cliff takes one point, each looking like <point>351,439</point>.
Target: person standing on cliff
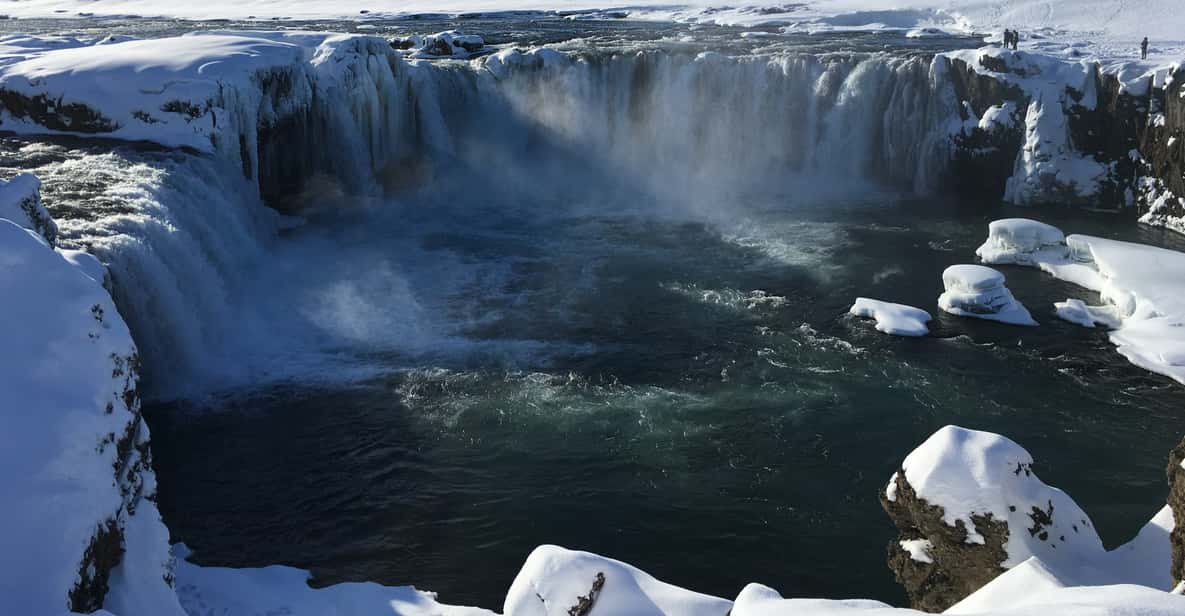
<point>1015,39</point>
<point>1144,49</point>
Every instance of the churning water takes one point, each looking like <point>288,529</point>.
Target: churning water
<point>601,306</point>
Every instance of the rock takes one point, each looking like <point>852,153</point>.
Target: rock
<point>1176,500</point>
<point>968,506</point>
<point>953,567</point>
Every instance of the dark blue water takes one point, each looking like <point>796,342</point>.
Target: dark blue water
<point>685,395</point>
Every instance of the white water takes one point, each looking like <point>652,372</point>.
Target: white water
<point>219,296</point>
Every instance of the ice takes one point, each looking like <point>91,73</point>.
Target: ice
<point>1021,241</point>
<point>978,291</point>
<point>895,319</point>
<point>1076,311</point>
<point>1143,288</point>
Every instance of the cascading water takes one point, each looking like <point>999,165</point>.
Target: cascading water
<point>673,132</point>
<point>591,299</point>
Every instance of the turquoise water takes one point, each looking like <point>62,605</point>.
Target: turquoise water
<point>685,395</point>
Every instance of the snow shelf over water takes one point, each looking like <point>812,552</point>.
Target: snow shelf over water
<point>1143,285</point>
<point>895,319</point>
<point>977,291</point>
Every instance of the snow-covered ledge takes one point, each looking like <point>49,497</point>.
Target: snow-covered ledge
<point>79,526</point>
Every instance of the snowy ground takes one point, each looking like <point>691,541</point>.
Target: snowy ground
<point>1107,28</point>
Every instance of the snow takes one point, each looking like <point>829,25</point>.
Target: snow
<point>285,590</point>
<point>895,319</point>
<point>978,291</point>
<point>63,372</point>
<point>553,578</point>
<point>1142,286</point>
<point>20,202</point>
<point>1031,598</point>
<point>1076,311</point>
<point>1112,27</point>
<point>973,474</point>
<point>1020,240</point>
<point>918,549</point>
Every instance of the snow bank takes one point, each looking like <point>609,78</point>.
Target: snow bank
<point>977,291</point>
<point>560,582</point>
<point>895,319</point>
<point>161,90</point>
<point>972,475</point>
<point>74,451</point>
<point>553,581</point>
<point>285,590</point>
<point>1076,311</point>
<point>20,202</point>
<point>1021,241</point>
<point>1143,287</point>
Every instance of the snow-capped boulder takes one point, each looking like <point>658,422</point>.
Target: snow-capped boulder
<point>559,582</point>
<point>20,202</point>
<point>77,518</point>
<point>968,506</point>
<point>1021,241</point>
<point>894,319</point>
<point>978,291</point>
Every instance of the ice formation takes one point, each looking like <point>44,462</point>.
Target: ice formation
<point>1143,288</point>
<point>978,291</point>
<point>895,319</point>
<point>1021,241</point>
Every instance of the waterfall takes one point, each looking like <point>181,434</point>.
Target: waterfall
<point>220,292</point>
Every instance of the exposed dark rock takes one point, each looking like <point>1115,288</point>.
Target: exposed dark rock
<point>102,555</point>
<point>584,604</point>
<point>957,568</point>
<point>55,114</point>
<point>1176,501</point>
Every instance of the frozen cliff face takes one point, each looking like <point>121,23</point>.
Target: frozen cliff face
<point>78,515</point>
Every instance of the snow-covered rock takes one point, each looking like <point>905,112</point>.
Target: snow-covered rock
<point>20,202</point>
<point>1021,241</point>
<point>557,582</point>
<point>978,291</point>
<point>78,520</point>
<point>974,500</point>
<point>895,319</point>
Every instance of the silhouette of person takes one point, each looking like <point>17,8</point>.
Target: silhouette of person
<point>1144,49</point>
